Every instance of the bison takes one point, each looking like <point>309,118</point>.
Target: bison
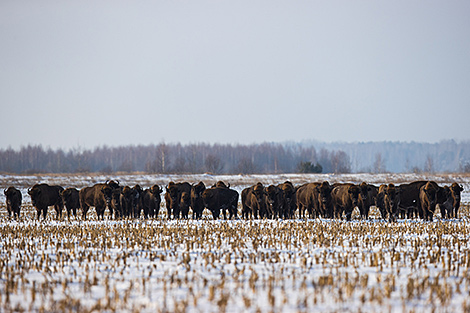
<point>366,199</point>
<point>125,201</point>
<point>391,201</point>
<point>409,198</point>
<point>43,196</point>
<point>380,201</point>
<point>307,200</point>
<point>184,204</point>
<point>196,199</point>
<point>71,200</point>
<point>445,201</point>
<point>289,202</point>
<point>98,196</point>
<point>275,200</point>
<point>455,190</point>
<point>173,197</point>
<point>221,184</point>
<point>428,200</point>
<point>325,202</point>
<point>254,202</point>
<point>345,198</point>
<point>136,201</point>
<point>221,198</point>
<point>151,201</point>
<point>13,200</point>
<point>116,202</point>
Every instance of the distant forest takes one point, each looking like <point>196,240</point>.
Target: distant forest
<point>290,157</point>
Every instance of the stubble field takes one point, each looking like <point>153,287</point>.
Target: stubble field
<point>161,265</point>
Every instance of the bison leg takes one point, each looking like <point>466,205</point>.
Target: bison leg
<point>176,213</point>
<point>348,214</point>
<point>58,212</point>
<point>215,213</point>
<point>146,212</point>
<point>84,212</point>
<point>100,212</point>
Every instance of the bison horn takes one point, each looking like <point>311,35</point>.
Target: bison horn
<point>5,191</point>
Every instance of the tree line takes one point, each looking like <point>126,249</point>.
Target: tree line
<point>265,158</point>
<point>177,158</point>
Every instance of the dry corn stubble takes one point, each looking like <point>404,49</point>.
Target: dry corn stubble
<point>215,266</point>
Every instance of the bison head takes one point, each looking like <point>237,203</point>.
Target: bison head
<point>221,184</point>
<point>199,188</point>
<point>365,188</point>
<point>272,193</point>
<point>107,192</point>
<point>354,192</point>
<point>325,191</point>
<point>431,192</point>
<point>456,189</point>
<point>156,190</point>
<point>172,190</point>
<point>34,193</point>
<point>259,192</point>
<point>185,198</point>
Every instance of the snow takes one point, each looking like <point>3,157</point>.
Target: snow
<point>233,266</point>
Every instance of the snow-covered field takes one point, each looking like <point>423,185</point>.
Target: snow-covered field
<point>233,266</point>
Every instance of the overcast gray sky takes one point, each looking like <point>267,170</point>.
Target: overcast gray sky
<point>88,73</point>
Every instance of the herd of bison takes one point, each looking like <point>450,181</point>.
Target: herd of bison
<point>418,199</point>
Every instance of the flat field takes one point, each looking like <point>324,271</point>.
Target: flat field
<point>162,265</point>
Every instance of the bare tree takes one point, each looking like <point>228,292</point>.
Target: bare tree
<point>213,164</point>
<point>429,164</point>
<point>379,163</point>
<point>340,161</point>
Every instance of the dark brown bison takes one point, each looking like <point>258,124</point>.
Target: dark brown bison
<point>221,198</point>
<point>345,198</point>
<point>136,201</point>
<point>125,201</point>
<point>43,196</point>
<point>445,201</point>
<point>185,204</point>
<point>151,201</point>
<point>116,202</point>
<point>380,201</point>
<point>173,198</point>
<point>196,200</point>
<point>325,202</point>
<point>254,202</point>
<point>391,201</point>
<point>275,200</point>
<point>366,199</point>
<point>455,190</point>
<point>307,197</point>
<point>98,196</point>
<point>71,200</point>
<point>289,204</point>
<point>13,200</point>
<point>409,198</point>
<point>221,184</point>
<point>428,200</point>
